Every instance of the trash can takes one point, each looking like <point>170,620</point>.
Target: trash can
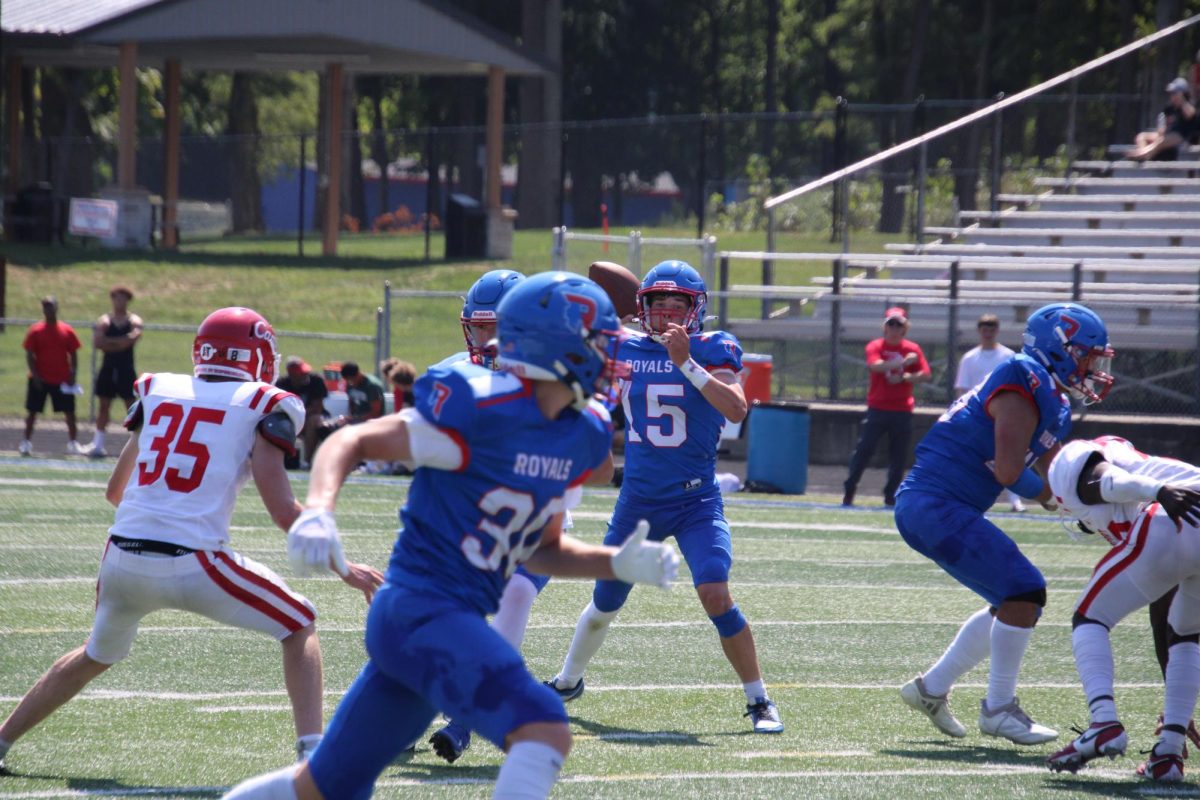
<point>466,227</point>
<point>33,214</point>
<point>778,446</point>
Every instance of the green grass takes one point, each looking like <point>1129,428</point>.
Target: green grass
<point>313,294</point>
<point>842,610</point>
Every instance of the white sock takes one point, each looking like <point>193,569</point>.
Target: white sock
<point>755,691</point>
<point>970,646</point>
<point>1183,682</point>
<point>98,440</point>
<point>528,773</point>
<point>1094,660</point>
<point>513,615</point>
<point>277,785</point>
<point>1008,648</point>
<point>589,635</point>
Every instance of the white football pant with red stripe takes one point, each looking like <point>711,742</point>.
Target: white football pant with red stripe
<point>221,585</point>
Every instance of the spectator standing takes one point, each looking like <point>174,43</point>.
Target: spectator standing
<point>300,380</point>
<point>977,363</point>
<point>114,334</point>
<point>1176,123</point>
<point>51,351</point>
<point>895,365</point>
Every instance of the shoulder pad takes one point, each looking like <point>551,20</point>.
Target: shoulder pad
<point>133,419</point>
<point>278,429</point>
<point>716,349</point>
<point>444,397</point>
<point>287,403</point>
<point>141,387</point>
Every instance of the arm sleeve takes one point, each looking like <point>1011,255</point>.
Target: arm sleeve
<point>1121,486</point>
<point>432,446</point>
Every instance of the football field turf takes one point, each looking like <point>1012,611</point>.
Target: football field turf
<point>843,613</point>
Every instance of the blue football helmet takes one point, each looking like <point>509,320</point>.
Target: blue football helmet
<point>672,277</point>
<point>1071,342</point>
<point>478,316</point>
<point>556,326</point>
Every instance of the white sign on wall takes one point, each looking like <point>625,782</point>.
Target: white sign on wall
<point>92,217</point>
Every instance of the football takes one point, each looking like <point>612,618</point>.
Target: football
<point>618,283</point>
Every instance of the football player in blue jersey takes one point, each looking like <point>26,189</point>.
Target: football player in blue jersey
<point>989,439</point>
<point>680,388</point>
<point>499,455</point>
<point>478,319</point>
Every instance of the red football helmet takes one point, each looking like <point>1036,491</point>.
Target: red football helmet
<point>236,343</point>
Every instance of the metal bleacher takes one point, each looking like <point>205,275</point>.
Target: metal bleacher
<point>1121,237</point>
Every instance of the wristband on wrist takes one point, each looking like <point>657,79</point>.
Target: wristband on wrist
<point>1029,485</point>
<point>697,375</point>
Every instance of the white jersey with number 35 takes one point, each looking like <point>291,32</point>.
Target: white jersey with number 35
<point>194,455</point>
<point>1113,521</point>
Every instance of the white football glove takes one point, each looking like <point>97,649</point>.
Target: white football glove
<point>639,561</point>
<point>313,544</point>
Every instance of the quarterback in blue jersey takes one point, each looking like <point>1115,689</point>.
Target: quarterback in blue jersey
<point>990,439</point>
<point>679,385</point>
<point>499,455</point>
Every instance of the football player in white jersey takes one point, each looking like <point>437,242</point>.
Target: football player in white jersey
<point>197,442</point>
<point>1148,509</point>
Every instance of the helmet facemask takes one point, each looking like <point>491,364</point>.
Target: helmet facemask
<point>479,331</point>
<point>654,320</point>
<point>1092,378</point>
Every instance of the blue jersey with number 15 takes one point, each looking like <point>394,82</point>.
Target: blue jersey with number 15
<point>463,533</point>
<point>671,431</point>
<point>957,456</point>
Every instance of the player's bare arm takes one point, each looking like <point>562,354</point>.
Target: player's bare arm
<point>635,561</point>
<point>1102,482</point>
<point>1015,420</point>
<point>270,477</point>
<point>119,478</point>
<point>603,474</point>
<point>381,439</point>
<point>723,390</point>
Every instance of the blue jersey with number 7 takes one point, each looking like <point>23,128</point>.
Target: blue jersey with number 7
<point>463,533</point>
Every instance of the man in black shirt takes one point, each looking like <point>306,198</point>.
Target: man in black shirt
<point>114,334</point>
<point>1176,123</point>
<point>300,380</point>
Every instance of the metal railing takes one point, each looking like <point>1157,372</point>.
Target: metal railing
<point>994,110</point>
<point>635,243</point>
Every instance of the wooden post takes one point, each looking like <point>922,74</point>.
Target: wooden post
<point>127,116</point>
<point>12,122</point>
<point>170,215</point>
<point>333,149</point>
<point>495,135</point>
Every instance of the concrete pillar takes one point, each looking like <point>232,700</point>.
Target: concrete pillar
<point>127,116</point>
<point>170,211</point>
<point>333,177</point>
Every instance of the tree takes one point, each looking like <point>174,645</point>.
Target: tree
<point>242,128</point>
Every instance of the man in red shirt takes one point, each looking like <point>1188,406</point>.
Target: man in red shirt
<point>50,351</point>
<point>895,364</point>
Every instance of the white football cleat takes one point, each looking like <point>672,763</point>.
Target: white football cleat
<point>1010,722</point>
<point>1100,739</point>
<point>936,707</point>
<point>25,448</point>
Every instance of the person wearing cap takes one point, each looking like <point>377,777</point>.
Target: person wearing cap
<point>299,379</point>
<point>895,364</point>
<point>114,334</point>
<point>977,363</point>
<point>1176,124</point>
<point>51,351</point>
